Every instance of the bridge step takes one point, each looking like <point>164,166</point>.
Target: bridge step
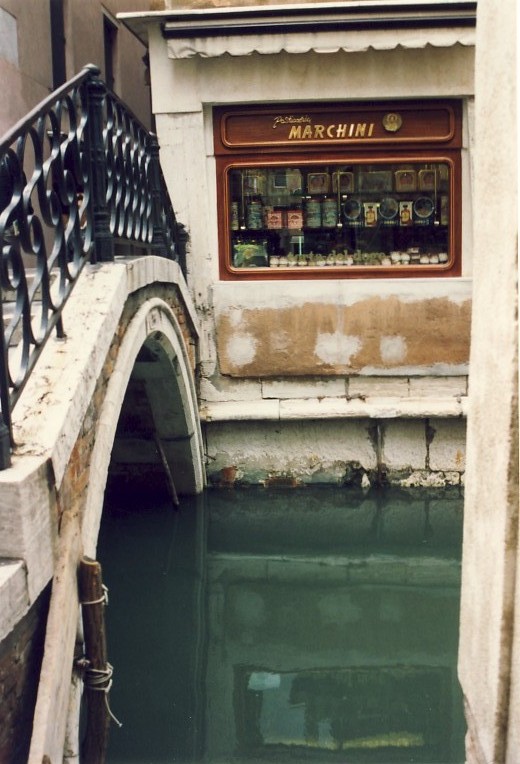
<point>7,314</point>
<point>9,303</point>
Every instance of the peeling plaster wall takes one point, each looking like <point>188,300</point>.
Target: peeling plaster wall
<point>372,335</point>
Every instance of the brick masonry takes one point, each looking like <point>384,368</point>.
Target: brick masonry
<point>20,660</point>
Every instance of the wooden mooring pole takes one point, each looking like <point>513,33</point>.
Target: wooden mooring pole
<point>167,471</point>
<point>98,672</point>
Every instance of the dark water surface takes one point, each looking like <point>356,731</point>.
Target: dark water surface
<point>312,625</point>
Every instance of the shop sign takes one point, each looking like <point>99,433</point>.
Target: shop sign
<point>397,123</point>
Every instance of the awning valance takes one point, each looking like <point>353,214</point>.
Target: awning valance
<point>319,42</point>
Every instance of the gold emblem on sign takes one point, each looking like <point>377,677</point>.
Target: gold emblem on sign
<point>392,122</point>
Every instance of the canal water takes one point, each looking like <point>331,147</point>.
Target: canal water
<point>257,625</point>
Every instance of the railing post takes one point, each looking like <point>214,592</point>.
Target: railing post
<point>158,239</point>
<point>181,241</point>
<point>5,445</point>
<point>103,240</point>
<point>6,438</point>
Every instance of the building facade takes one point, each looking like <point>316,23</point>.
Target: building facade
<point>324,178</point>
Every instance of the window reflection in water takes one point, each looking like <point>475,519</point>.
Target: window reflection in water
<point>372,710</point>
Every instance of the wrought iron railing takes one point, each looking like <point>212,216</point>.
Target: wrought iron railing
<point>77,175</point>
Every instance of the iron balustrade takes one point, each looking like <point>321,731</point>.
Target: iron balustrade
<point>78,174</point>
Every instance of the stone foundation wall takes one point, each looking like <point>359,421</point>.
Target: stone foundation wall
<point>363,452</point>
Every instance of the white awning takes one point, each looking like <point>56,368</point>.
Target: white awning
<point>319,42</point>
<point>322,27</point>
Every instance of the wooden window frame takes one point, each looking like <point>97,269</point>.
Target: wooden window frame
<point>427,142</point>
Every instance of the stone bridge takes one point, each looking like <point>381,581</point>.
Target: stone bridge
<point>130,327</point>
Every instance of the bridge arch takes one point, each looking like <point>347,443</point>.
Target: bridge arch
<point>153,352</point>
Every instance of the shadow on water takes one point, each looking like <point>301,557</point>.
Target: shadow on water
<point>312,625</point>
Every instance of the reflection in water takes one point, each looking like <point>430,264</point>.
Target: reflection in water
<point>365,709</point>
<point>312,625</point>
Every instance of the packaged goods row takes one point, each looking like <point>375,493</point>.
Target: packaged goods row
<point>349,211</point>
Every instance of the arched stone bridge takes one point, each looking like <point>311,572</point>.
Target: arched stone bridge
<point>129,324</point>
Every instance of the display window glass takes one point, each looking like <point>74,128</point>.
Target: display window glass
<point>375,215</point>
<point>352,213</point>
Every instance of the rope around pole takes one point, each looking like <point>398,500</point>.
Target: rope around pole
<point>100,680</point>
<point>103,598</point>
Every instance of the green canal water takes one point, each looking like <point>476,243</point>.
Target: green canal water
<point>312,625</point>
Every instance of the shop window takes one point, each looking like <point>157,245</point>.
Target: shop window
<point>367,192</point>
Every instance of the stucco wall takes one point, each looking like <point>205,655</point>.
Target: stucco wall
<point>184,90</point>
<point>26,75</point>
<point>26,55</point>
<point>129,69</point>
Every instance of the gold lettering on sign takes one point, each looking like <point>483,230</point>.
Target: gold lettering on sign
<point>302,129</point>
<point>291,120</point>
<point>295,133</point>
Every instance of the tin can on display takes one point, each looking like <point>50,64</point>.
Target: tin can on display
<point>255,215</point>
<point>329,213</point>
<point>445,210</point>
<point>294,219</point>
<point>313,214</point>
<point>274,218</point>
